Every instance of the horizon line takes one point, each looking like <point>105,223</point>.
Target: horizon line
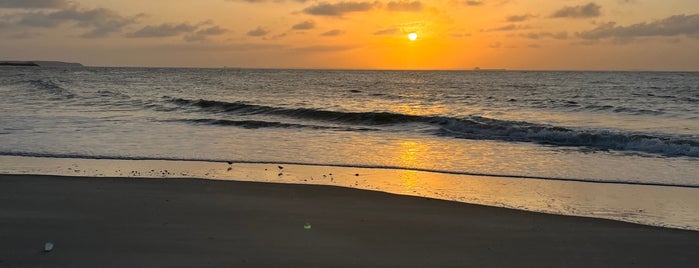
<point>474,69</point>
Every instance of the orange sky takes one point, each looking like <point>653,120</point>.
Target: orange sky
<point>453,34</point>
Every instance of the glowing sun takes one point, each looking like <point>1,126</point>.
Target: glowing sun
<point>412,36</point>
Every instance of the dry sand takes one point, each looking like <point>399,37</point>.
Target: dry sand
<point>113,222</point>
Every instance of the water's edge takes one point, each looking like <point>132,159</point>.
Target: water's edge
<point>636,203</point>
<point>513,176</point>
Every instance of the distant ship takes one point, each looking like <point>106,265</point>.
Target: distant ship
<point>478,69</point>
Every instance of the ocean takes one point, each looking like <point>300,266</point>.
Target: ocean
<point>620,128</point>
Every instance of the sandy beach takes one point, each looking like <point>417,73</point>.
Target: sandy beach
<point>118,222</point>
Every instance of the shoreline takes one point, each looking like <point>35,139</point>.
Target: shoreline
<point>370,167</point>
<point>669,207</point>
<point>195,222</point>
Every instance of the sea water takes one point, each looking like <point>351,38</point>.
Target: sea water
<point>615,127</point>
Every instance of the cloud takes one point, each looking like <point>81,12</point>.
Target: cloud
<point>306,25</point>
<point>590,10</point>
<point>163,30</point>
<point>23,35</point>
<point>214,30</point>
<point>334,32</point>
<point>202,34</point>
<point>193,32</point>
<point>519,18</point>
<point>263,1</point>
<point>100,21</point>
<point>404,6</point>
<point>389,31</point>
<point>339,9</point>
<point>460,35</point>
<point>322,48</point>
<point>259,31</point>
<point>33,3</point>
<point>508,27</point>
<point>208,47</point>
<point>670,26</point>
<point>278,36</point>
<point>473,3</point>
<point>539,35</point>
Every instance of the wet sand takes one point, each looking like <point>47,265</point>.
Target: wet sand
<point>117,222</point>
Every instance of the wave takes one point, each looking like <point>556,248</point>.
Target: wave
<point>620,109</point>
<point>513,176</point>
<point>240,108</point>
<point>491,129</point>
<point>112,94</point>
<point>476,127</point>
<point>254,124</point>
<point>51,87</point>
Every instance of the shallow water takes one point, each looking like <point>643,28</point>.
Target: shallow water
<point>674,207</point>
<point>638,129</point>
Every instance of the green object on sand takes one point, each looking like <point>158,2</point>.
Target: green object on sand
<point>307,226</point>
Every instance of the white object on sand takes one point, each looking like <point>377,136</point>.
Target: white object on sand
<point>48,246</point>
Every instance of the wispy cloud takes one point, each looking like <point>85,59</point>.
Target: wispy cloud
<point>508,27</point>
<point>208,47</point>
<point>540,35</point>
<point>389,31</point>
<point>193,32</point>
<point>305,25</point>
<point>203,34</point>
<point>163,30</point>
<point>339,9</point>
<point>460,35</point>
<point>405,6</point>
<point>590,10</point>
<point>23,35</point>
<point>334,32</point>
<point>473,3</point>
<point>670,26</point>
<point>259,31</point>
<point>33,3</point>
<point>316,49</point>
<point>264,1</point>
<point>100,21</point>
<point>519,18</point>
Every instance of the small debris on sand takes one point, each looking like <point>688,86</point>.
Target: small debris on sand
<point>48,246</point>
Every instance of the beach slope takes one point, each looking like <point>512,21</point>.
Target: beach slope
<point>118,222</point>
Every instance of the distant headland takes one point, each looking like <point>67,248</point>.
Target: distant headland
<point>40,63</point>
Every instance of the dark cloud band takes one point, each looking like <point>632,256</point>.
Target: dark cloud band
<point>670,26</point>
<point>590,10</point>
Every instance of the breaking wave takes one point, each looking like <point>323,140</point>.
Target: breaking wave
<point>472,127</point>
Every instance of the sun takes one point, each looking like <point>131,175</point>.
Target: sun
<point>412,36</point>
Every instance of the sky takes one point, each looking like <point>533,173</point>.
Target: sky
<point>356,34</point>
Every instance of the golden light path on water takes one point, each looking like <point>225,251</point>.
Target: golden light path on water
<point>676,207</point>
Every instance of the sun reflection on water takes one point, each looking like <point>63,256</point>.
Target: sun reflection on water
<point>408,179</point>
<point>409,152</point>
